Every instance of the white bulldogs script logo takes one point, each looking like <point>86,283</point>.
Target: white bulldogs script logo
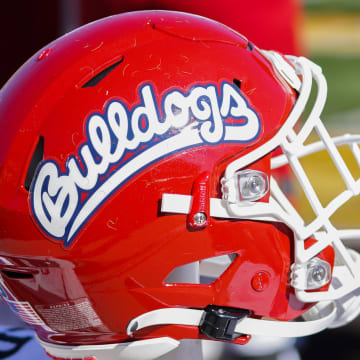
<point>184,120</point>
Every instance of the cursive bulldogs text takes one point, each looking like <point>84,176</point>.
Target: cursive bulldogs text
<point>198,117</point>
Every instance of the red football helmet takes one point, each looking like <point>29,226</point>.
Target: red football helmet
<point>137,202</point>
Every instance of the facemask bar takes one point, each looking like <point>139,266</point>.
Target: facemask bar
<point>346,273</point>
<point>344,290</point>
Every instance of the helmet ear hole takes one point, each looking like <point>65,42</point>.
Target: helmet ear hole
<point>205,271</point>
<point>36,158</point>
<point>17,275</point>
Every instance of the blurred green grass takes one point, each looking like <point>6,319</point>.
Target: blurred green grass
<point>332,29</point>
<point>343,78</point>
<point>332,5</point>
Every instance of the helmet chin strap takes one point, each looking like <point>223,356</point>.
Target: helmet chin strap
<point>317,319</point>
<point>245,325</point>
<point>149,349</point>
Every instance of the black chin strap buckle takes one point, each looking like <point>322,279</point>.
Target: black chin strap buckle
<point>219,322</point>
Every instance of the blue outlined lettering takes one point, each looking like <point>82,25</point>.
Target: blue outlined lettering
<point>199,116</point>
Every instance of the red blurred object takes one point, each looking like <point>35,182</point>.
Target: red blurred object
<point>275,25</point>
<point>271,25</point>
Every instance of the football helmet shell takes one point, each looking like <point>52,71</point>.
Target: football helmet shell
<point>143,143</point>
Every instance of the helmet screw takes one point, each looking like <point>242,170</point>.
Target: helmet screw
<point>200,218</point>
<point>318,273</point>
<point>260,281</point>
<point>45,53</point>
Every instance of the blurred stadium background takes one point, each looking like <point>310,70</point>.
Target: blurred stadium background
<point>330,31</point>
<point>332,40</point>
<point>332,37</point>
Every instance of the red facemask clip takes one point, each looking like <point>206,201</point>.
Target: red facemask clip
<point>199,216</point>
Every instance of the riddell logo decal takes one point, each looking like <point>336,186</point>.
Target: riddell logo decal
<point>190,119</point>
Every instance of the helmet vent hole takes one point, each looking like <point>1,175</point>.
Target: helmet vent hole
<point>237,83</point>
<point>37,157</point>
<point>17,275</point>
<point>134,327</point>
<point>250,46</point>
<point>102,74</point>
<point>205,271</point>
